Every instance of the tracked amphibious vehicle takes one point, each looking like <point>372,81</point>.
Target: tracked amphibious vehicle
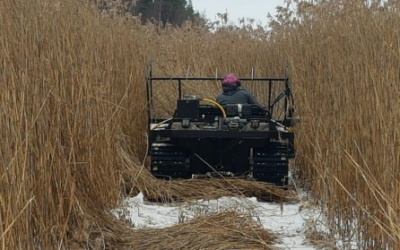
<point>202,138</point>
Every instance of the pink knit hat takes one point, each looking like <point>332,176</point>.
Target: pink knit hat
<point>230,79</point>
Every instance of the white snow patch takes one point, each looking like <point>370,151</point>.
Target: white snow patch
<point>287,220</point>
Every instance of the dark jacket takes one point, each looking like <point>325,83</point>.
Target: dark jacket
<point>235,95</point>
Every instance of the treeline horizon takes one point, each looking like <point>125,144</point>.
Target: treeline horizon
<point>174,12</point>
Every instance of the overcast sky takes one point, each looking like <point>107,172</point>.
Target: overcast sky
<point>256,9</point>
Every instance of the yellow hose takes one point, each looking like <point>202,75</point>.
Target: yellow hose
<point>216,104</point>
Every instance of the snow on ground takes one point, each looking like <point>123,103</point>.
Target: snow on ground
<point>288,220</point>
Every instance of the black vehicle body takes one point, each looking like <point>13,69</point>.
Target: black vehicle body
<point>199,141</point>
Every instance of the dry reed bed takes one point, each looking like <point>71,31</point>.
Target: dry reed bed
<point>226,230</point>
<point>346,68</point>
<point>73,95</point>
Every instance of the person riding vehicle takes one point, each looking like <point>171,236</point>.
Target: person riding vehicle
<point>233,93</point>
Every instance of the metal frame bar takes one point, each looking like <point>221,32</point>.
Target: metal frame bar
<point>287,84</point>
<point>269,80</point>
<point>149,93</point>
<point>269,97</point>
<point>180,88</point>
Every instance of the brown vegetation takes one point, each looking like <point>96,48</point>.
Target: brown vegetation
<point>73,131</point>
<point>346,68</point>
<point>226,230</point>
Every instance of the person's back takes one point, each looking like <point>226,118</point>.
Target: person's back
<point>233,93</point>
